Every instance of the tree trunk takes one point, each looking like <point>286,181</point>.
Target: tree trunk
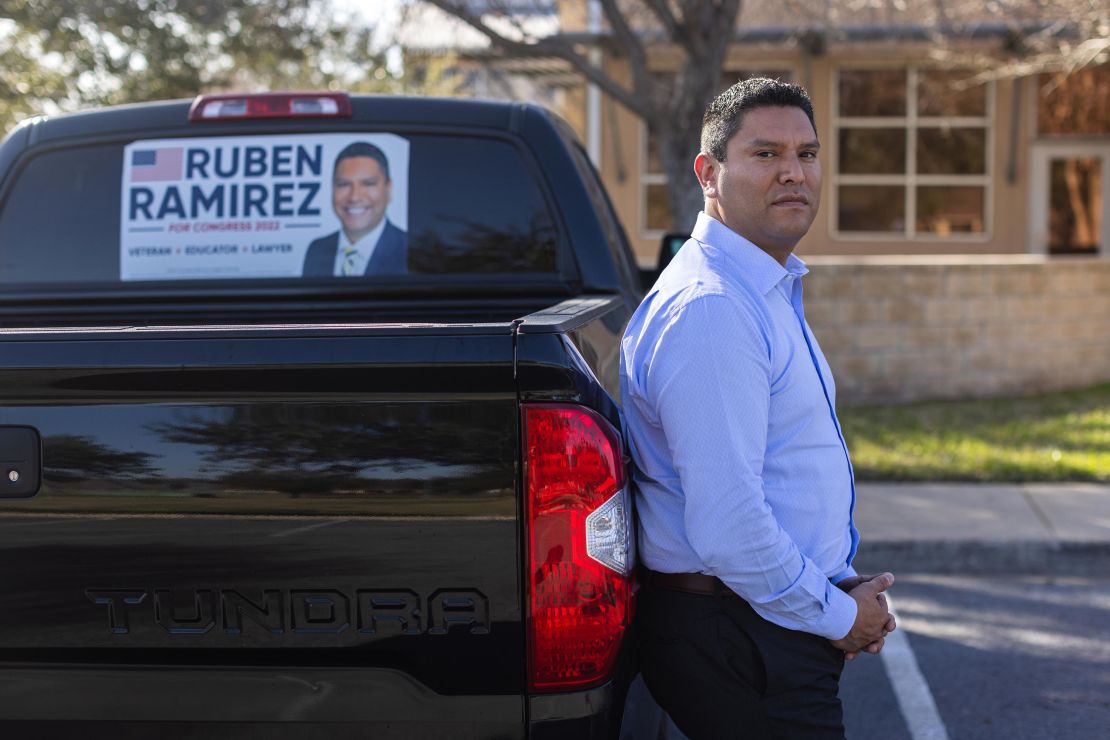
<point>678,107</point>
<point>699,30</point>
<point>678,145</point>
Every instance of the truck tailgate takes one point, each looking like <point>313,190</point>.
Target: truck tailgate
<point>322,518</point>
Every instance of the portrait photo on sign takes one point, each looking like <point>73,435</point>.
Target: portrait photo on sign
<point>321,205</point>
<point>367,241</point>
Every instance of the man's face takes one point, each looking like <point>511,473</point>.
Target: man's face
<point>360,193</point>
<point>769,186</point>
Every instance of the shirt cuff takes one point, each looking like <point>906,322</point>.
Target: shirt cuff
<point>839,616</point>
<point>848,572</point>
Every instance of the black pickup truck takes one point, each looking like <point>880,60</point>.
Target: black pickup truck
<point>247,497</point>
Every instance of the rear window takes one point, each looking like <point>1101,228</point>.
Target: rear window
<point>320,207</point>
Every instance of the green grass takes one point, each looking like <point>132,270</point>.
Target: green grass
<point>1056,437</point>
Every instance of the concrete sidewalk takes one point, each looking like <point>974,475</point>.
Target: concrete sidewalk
<point>961,527</point>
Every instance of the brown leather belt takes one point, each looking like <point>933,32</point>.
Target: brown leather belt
<point>691,583</point>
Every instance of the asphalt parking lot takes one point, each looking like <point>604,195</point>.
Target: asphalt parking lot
<point>1000,656</point>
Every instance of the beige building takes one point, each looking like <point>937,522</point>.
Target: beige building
<point>965,220</point>
<point>920,157</point>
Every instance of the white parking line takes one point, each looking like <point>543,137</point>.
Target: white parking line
<point>910,688</point>
<point>308,528</point>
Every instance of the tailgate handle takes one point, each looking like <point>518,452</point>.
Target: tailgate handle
<point>20,462</point>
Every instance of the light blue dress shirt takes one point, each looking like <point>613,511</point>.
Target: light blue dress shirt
<point>741,470</point>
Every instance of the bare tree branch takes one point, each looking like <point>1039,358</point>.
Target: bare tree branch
<point>637,59</point>
<point>670,104</point>
<point>662,11</point>
<point>552,46</point>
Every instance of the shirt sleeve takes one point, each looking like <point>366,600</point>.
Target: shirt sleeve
<point>710,379</point>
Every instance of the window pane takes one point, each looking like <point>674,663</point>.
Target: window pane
<point>1075,210</point>
<point>944,94</point>
<point>614,234</point>
<point>868,208</point>
<point>872,92</point>
<point>484,213</point>
<point>658,211</point>
<point>951,151</point>
<point>948,210</point>
<point>654,161</point>
<point>1078,103</point>
<point>872,151</point>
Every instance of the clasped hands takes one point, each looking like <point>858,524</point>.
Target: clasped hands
<point>873,618</point>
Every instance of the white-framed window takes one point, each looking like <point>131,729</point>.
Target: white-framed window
<point>1069,169</point>
<point>911,155</point>
<point>655,211</point>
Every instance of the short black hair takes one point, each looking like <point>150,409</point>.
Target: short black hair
<point>725,114</point>
<point>364,149</point>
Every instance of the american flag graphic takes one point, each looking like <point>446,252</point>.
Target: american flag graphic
<point>156,165</point>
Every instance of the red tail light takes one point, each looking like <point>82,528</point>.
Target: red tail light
<point>233,107</point>
<point>579,546</point>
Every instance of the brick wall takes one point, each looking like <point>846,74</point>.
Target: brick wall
<point>929,327</point>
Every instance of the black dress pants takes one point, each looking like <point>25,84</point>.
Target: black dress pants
<point>722,671</point>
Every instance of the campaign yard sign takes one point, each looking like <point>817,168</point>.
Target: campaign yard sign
<point>237,207</point>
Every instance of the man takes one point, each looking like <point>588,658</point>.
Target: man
<point>368,244</point>
<point>749,603</point>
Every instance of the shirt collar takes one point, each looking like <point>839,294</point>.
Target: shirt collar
<point>368,241</point>
<point>754,265</point>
